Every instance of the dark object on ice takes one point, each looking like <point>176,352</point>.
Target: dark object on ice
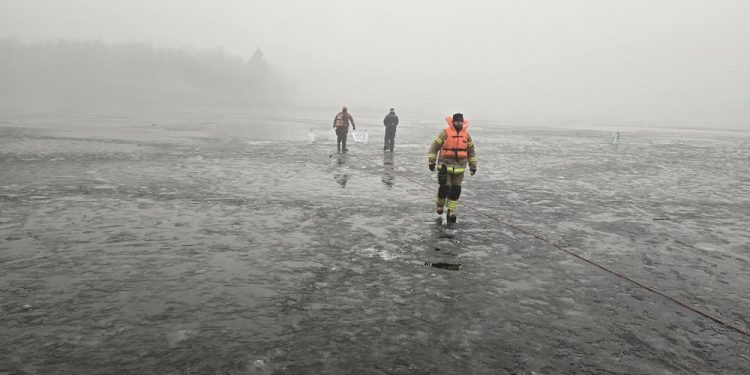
<point>445,266</point>
<point>451,218</point>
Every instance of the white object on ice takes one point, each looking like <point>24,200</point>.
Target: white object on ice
<point>361,137</point>
<point>311,136</point>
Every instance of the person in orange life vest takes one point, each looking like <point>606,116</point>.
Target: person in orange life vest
<point>452,149</point>
<point>341,124</point>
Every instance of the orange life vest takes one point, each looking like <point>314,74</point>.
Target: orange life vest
<point>456,144</point>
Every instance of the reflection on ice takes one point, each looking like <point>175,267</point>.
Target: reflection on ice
<point>342,179</point>
<point>341,159</point>
<point>389,176</point>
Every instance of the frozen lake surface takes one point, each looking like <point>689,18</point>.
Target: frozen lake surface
<point>193,243</point>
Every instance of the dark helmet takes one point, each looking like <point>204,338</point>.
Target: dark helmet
<point>343,109</point>
<point>458,121</point>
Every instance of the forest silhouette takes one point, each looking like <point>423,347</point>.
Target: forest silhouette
<point>136,74</point>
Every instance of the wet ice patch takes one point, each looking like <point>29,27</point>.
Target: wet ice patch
<point>372,252</point>
<point>714,248</point>
<point>76,198</point>
<point>121,237</point>
<point>178,336</point>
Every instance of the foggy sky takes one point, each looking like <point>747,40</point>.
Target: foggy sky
<point>678,60</point>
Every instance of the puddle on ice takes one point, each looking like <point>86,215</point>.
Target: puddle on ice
<point>444,265</point>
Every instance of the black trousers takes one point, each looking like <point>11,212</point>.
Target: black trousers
<point>390,137</point>
<point>341,134</point>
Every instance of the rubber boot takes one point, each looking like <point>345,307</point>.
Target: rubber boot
<point>451,217</point>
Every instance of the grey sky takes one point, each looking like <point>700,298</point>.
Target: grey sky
<point>630,60</point>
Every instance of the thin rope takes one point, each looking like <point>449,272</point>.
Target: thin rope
<point>595,264</point>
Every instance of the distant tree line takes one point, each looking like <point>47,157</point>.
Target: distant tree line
<point>138,73</point>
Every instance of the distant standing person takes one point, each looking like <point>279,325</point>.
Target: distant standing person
<point>341,124</point>
<point>390,122</point>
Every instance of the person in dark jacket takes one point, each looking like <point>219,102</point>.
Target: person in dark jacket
<point>341,124</point>
<point>390,122</point>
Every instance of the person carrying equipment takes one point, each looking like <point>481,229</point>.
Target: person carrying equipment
<point>341,124</point>
<point>451,150</point>
<point>390,122</point>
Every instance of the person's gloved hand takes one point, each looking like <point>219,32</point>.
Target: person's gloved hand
<point>432,167</point>
<point>473,170</point>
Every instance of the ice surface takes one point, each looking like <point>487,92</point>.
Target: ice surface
<point>223,243</point>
